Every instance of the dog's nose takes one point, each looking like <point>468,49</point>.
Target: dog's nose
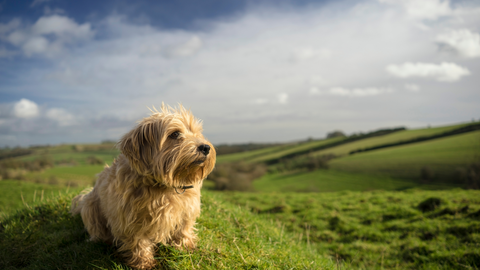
<point>204,148</point>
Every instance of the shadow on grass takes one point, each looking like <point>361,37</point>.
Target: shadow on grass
<point>48,237</point>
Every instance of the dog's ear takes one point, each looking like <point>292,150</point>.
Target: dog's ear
<point>139,146</point>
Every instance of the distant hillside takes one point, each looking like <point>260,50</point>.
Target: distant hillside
<point>438,157</point>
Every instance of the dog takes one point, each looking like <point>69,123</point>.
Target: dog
<point>151,193</point>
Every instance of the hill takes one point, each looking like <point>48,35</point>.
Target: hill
<point>443,157</point>
<point>432,158</point>
<point>339,230</point>
<point>45,236</point>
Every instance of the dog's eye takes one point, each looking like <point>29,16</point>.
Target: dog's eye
<point>174,135</point>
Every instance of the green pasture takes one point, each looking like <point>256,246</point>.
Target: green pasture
<point>412,229</point>
<point>444,156</point>
<point>275,152</point>
<point>295,149</point>
<point>248,155</point>
<point>332,180</point>
<point>20,194</point>
<point>78,153</point>
<point>82,175</point>
<point>398,136</point>
<point>46,236</point>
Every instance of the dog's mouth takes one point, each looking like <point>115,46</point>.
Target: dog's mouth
<point>199,161</point>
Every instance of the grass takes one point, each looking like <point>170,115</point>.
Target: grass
<point>21,193</point>
<point>247,155</point>
<point>275,152</point>
<point>46,236</point>
<point>405,135</point>
<point>295,149</point>
<point>443,156</point>
<point>331,181</point>
<point>82,175</point>
<point>60,153</point>
<point>379,230</point>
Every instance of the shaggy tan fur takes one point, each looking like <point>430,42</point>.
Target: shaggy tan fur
<point>135,203</point>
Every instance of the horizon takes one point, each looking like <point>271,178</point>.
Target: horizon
<point>254,72</point>
<point>299,140</point>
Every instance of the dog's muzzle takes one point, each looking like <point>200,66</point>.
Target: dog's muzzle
<point>204,148</point>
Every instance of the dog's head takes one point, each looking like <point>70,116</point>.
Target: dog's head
<point>169,147</point>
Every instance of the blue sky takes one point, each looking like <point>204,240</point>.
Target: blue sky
<point>254,71</point>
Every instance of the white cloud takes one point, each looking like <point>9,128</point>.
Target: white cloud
<point>462,42</point>
<point>314,90</point>
<point>358,92</point>
<point>260,101</point>
<point>283,98</point>
<point>35,45</point>
<point>423,9</point>
<point>25,109</point>
<point>61,116</point>
<point>308,53</point>
<point>61,26</point>
<point>412,87</point>
<point>186,49</point>
<point>47,37</point>
<point>444,72</point>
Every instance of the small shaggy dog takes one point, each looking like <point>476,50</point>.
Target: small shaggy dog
<point>151,193</point>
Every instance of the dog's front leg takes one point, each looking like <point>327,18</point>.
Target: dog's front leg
<point>139,253</point>
<point>185,237</point>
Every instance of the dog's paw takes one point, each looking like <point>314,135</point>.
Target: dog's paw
<point>142,263</point>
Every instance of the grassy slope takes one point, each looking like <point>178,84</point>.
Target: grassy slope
<point>274,152</point>
<point>14,190</point>
<point>247,155</point>
<point>330,180</point>
<point>390,138</point>
<point>442,155</point>
<point>46,236</point>
<point>295,149</point>
<point>66,152</point>
<point>82,175</point>
<point>379,230</point>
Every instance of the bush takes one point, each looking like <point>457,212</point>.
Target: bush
<point>236,176</point>
<point>93,160</point>
<point>426,174</point>
<point>470,176</point>
<point>430,204</point>
<point>78,148</point>
<point>17,169</point>
<point>334,134</point>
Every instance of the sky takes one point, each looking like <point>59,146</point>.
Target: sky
<point>253,71</point>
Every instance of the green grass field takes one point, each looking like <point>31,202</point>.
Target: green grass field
<point>67,152</point>
<point>82,175</point>
<point>411,229</point>
<point>379,230</point>
<point>405,135</point>
<point>17,194</point>
<point>368,211</point>
<point>443,156</point>
<point>248,155</point>
<point>331,180</point>
<point>46,236</point>
<point>295,149</point>
<point>275,152</point>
